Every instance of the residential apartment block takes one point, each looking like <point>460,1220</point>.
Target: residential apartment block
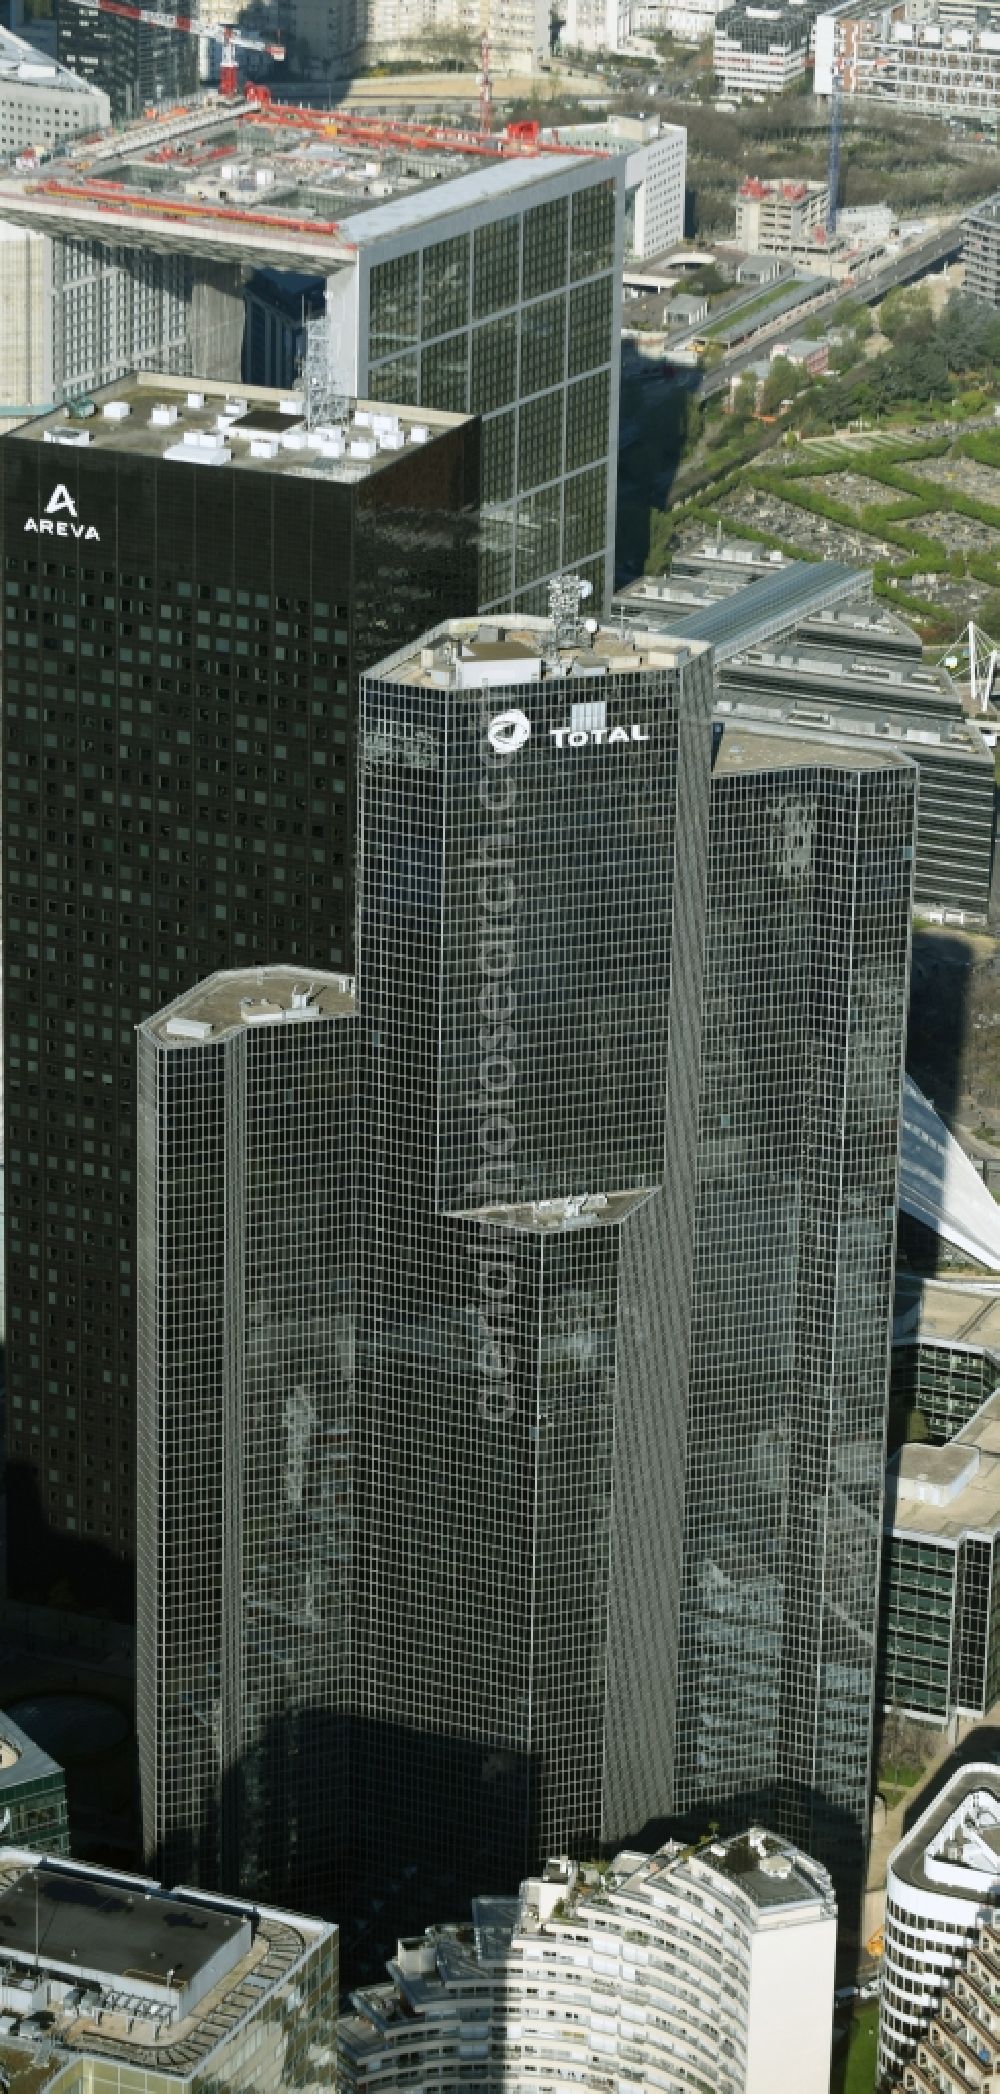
<point>981,246</point>
<point>942,1884</point>
<point>759,51</point>
<point>706,1967</point>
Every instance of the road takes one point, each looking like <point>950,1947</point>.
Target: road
<point>940,247</point>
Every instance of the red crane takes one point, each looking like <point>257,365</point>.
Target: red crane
<point>231,39</point>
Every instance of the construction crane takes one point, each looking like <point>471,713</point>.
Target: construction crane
<point>485,86</point>
<point>833,160</point>
<point>231,39</point>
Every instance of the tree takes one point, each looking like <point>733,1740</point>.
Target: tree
<point>783,382</point>
<point>745,398</point>
<point>906,312</point>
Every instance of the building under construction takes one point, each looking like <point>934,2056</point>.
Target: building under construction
<point>462,271</point>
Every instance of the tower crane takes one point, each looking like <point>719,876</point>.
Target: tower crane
<point>833,159</point>
<point>231,40</point>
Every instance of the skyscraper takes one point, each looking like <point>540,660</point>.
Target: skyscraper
<point>575,1414</point>
<point>810,872</point>
<point>532,872</point>
<point>135,63</point>
<point>192,582</point>
<point>244,1397</point>
<point>387,1410</point>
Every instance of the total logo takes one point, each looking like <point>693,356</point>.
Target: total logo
<point>508,732</point>
<point>60,518</point>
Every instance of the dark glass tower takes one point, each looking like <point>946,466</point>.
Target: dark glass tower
<point>807,953</point>
<point>192,585</point>
<point>244,1393</point>
<point>531,892</point>
<point>138,65</point>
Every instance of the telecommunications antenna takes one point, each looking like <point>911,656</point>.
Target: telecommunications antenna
<point>325,399</point>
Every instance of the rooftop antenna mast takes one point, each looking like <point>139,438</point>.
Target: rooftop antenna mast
<point>325,399</point>
<point>566,593</point>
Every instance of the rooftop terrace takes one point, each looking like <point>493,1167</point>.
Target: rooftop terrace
<point>126,1970</point>
<point>248,997</point>
<point>473,653</point>
<point>752,746</point>
<point>243,428</point>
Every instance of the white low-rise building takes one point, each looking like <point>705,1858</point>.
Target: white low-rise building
<point>942,1883</point>
<point>42,102</point>
<point>655,173</point>
<point>692,1967</point>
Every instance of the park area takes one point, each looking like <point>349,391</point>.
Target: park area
<point>899,502</point>
<point>854,2059</point>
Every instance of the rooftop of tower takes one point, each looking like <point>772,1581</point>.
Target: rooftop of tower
<point>745,747</point>
<point>207,421</point>
<point>474,653</point>
<point>274,185</point>
<point>133,1973</point>
<point>247,997</point>
<point>943,1493</point>
<point>955,1844</point>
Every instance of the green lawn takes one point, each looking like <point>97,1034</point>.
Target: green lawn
<point>854,2065</point>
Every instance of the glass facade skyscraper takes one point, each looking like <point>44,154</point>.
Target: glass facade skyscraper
<point>546,1436</point>
<point>531,883</point>
<point>192,582</point>
<point>810,872</point>
<point>499,293</point>
<point>244,1394</point>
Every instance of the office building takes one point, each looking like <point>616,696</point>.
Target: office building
<point>706,1967</point>
<point>959,2052</point>
<point>810,869</point>
<point>849,702</point>
<point>110,1981</point>
<point>942,1883</point>
<point>981,251</point>
<point>518,30</point>
<point>940,1607</point>
<point>910,58</point>
<point>179,797</point>
<point>760,51</point>
<point>480,281</point>
<point>279,306</point>
<point>25,330</point>
<point>655,168</point>
<point>775,217</point>
<point>945,1353</point>
<point>133,64</point>
<point>244,1410</point>
<point>800,650</point>
<point>137,308</point>
<point>42,102</point>
<point>32,1793</point>
<point>523,1237</point>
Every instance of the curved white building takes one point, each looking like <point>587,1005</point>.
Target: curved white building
<point>942,1883</point>
<point>708,1967</point>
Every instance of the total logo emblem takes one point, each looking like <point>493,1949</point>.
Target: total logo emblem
<point>508,732</point>
<point>60,518</point>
